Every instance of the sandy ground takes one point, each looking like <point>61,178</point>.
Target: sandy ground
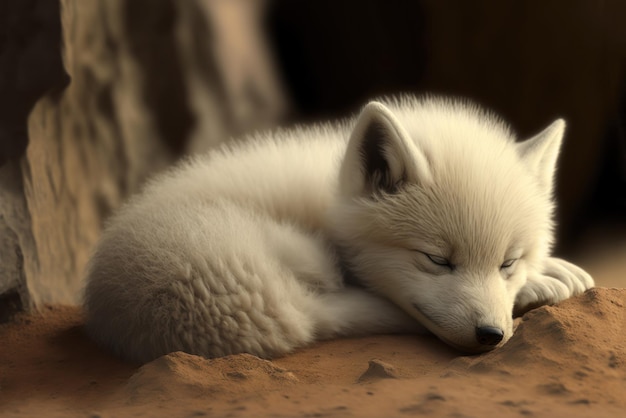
<point>567,360</point>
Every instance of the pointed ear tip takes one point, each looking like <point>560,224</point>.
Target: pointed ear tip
<point>559,124</point>
<point>374,110</point>
<point>556,129</point>
<point>374,105</point>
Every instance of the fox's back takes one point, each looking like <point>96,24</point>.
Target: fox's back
<point>289,175</point>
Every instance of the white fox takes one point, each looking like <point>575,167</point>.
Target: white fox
<point>418,214</point>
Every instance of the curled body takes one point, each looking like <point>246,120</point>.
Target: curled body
<point>418,214</point>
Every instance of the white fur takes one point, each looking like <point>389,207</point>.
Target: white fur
<point>250,248</point>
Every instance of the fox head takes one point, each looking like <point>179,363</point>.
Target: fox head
<point>443,212</point>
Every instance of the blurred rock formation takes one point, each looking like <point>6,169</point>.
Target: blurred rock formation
<point>151,80</point>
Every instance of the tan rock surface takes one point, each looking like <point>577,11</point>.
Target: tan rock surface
<point>151,80</point>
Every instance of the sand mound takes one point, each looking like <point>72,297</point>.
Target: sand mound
<point>572,353</point>
<point>179,375</point>
<point>579,331</point>
<point>563,360</point>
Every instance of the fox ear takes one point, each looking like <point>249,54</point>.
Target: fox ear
<point>380,156</point>
<point>541,151</point>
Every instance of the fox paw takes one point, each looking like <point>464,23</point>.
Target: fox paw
<point>557,281</point>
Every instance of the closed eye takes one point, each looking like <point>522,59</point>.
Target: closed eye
<point>508,263</point>
<point>440,261</point>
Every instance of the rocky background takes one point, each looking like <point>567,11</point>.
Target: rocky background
<point>96,95</point>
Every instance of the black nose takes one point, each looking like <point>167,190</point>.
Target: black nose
<point>489,335</point>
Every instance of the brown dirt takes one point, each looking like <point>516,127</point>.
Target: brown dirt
<point>565,360</point>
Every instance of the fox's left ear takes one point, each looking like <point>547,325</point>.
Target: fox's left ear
<point>381,156</point>
<point>541,152</point>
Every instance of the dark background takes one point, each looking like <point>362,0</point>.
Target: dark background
<point>530,61</point>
